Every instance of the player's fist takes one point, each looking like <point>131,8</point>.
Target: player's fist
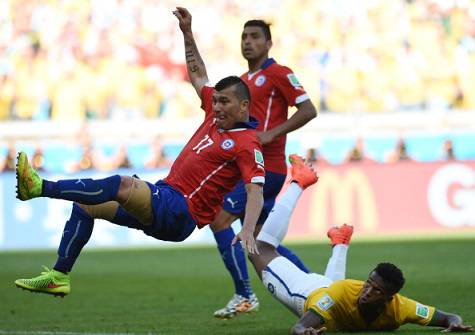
<point>265,137</point>
<point>184,18</point>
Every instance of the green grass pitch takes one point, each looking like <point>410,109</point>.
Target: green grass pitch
<point>175,291</point>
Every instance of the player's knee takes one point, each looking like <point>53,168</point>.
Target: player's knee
<point>222,221</point>
<point>265,248</point>
<point>266,254</point>
<point>217,226</point>
<point>125,187</point>
<point>257,229</point>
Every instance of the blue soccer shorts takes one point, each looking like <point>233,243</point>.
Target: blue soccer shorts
<point>172,220</point>
<point>235,201</point>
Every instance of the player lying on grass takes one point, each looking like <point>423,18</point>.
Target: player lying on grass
<point>329,301</point>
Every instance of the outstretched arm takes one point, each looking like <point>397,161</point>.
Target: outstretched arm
<point>451,322</point>
<point>309,324</point>
<point>194,63</point>
<point>305,112</point>
<point>254,204</point>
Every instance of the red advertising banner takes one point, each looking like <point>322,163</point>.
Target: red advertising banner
<point>399,198</point>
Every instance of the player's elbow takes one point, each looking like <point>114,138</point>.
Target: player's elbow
<point>308,110</point>
<point>312,112</point>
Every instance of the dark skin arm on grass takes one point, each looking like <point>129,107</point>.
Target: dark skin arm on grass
<point>309,324</point>
<point>450,322</point>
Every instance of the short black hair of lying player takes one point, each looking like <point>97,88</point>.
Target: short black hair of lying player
<point>391,275</point>
<point>261,24</point>
<point>240,87</point>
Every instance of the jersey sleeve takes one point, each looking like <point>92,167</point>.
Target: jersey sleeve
<point>250,161</point>
<point>325,302</point>
<point>411,311</point>
<point>289,86</point>
<point>207,99</point>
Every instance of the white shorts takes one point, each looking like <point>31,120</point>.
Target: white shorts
<point>290,285</point>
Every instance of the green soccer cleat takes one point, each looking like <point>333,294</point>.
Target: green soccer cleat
<point>49,282</point>
<point>29,183</point>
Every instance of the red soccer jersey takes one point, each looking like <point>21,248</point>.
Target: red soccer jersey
<point>273,89</point>
<point>213,161</point>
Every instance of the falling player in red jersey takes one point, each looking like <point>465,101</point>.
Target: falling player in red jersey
<point>273,89</point>
<point>224,150</point>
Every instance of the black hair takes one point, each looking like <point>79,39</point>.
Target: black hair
<point>261,24</point>
<point>391,275</point>
<point>240,87</point>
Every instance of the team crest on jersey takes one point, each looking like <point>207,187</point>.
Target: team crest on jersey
<point>260,80</point>
<point>294,81</point>
<point>227,144</point>
<point>325,302</point>
<point>422,311</point>
<point>258,156</point>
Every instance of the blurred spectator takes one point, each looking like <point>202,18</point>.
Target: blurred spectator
<point>89,158</point>
<point>312,156</point>
<point>120,159</point>
<point>448,150</point>
<point>156,158</point>
<point>86,161</point>
<point>37,160</point>
<point>400,153</point>
<point>6,96</point>
<point>8,162</point>
<point>357,153</point>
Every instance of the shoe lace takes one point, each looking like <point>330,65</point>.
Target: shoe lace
<point>235,300</point>
<point>46,270</point>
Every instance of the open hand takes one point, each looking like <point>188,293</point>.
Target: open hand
<point>457,327</point>
<point>313,331</point>
<point>247,241</point>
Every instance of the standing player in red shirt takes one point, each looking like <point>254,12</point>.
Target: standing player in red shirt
<point>224,150</point>
<point>273,89</point>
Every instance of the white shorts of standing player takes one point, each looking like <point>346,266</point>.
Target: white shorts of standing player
<point>290,285</point>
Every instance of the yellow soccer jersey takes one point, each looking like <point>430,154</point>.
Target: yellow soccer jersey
<point>337,305</point>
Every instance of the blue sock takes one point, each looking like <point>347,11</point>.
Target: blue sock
<point>235,261</point>
<point>84,191</point>
<point>77,231</point>
<point>287,253</point>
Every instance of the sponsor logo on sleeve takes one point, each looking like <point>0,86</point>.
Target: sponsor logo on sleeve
<point>260,80</point>
<point>294,81</point>
<point>325,303</point>
<point>271,288</point>
<point>258,157</point>
<point>422,311</point>
<point>227,144</point>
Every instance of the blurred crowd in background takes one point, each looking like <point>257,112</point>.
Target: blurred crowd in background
<point>119,59</point>
<point>85,154</point>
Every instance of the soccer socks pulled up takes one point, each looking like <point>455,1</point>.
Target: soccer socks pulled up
<point>287,253</point>
<point>235,260</point>
<point>76,234</point>
<point>84,191</point>
<point>275,228</point>
<point>336,266</point>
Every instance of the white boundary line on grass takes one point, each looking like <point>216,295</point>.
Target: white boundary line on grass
<point>39,332</point>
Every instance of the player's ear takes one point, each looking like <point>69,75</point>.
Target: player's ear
<point>244,105</point>
<point>268,44</point>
